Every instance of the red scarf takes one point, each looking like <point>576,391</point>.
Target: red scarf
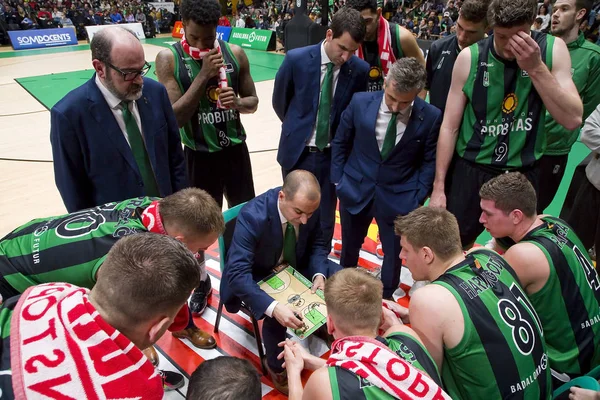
<point>198,54</point>
<point>371,360</point>
<point>384,41</point>
<point>62,348</point>
<point>153,222</point>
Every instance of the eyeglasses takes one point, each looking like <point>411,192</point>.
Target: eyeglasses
<point>129,76</point>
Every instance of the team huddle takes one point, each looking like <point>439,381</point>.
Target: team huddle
<point>86,295</point>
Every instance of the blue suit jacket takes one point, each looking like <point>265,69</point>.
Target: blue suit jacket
<point>93,164</point>
<point>397,184</point>
<point>255,249</point>
<point>296,97</point>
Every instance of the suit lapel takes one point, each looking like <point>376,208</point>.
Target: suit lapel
<point>344,81</point>
<point>371,113</point>
<point>314,74</point>
<point>275,227</point>
<point>414,123</point>
<point>103,115</point>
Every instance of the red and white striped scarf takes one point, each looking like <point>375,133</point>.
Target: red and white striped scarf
<point>371,360</point>
<point>384,41</point>
<point>62,348</point>
<point>198,54</point>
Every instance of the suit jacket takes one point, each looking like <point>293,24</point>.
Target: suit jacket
<point>296,97</point>
<point>255,250</point>
<point>93,163</point>
<point>397,184</point>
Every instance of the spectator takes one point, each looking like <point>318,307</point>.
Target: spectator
<point>224,21</point>
<point>545,16</point>
<point>239,21</point>
<point>140,16</point>
<point>537,24</point>
<point>130,17</point>
<point>57,14</point>
<point>115,16</point>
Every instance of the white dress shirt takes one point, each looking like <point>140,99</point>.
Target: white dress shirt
<point>384,115</point>
<point>114,105</point>
<point>336,73</point>
<point>284,221</point>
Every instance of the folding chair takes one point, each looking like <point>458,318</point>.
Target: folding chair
<point>230,217</point>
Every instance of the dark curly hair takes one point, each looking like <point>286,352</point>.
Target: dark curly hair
<point>360,5</point>
<point>202,12</point>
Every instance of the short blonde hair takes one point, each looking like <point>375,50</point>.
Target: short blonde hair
<point>194,211</point>
<point>354,300</point>
<point>431,227</point>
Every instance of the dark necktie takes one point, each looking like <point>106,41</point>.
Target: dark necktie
<point>138,149</point>
<point>289,245</point>
<point>322,136</point>
<point>390,137</point>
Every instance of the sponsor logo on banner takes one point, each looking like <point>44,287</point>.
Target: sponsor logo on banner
<point>177,30</point>
<point>251,38</point>
<point>223,33</point>
<point>38,38</point>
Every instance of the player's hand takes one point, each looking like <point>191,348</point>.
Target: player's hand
<point>294,362</point>
<point>388,319</point>
<point>286,317</point>
<point>211,63</point>
<point>228,98</point>
<point>583,394</point>
<point>401,312</point>
<point>526,51</point>
<point>438,199</point>
<point>318,283</point>
<point>310,362</point>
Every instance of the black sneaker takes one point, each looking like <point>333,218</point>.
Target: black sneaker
<point>171,380</point>
<point>199,299</point>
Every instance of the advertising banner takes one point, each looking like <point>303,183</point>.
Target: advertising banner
<point>168,5</point>
<point>41,38</point>
<point>253,38</point>
<point>177,30</point>
<point>136,28</point>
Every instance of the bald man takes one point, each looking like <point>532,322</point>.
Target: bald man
<point>281,225</point>
<point>116,137</point>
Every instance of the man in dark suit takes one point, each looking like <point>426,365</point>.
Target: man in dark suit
<point>115,137</point>
<point>312,88</point>
<point>281,225</point>
<point>383,163</point>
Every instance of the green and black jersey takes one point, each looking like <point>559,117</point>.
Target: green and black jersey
<point>371,55</point>
<point>211,128</point>
<point>569,302</point>
<point>68,248</point>
<point>585,69</point>
<point>502,352</point>
<point>503,122</point>
<point>347,385</point>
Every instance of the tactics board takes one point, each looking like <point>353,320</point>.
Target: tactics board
<point>290,288</point>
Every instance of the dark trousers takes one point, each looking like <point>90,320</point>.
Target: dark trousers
<point>552,170</point>
<point>462,194</point>
<point>354,230</point>
<point>584,218</point>
<point>223,173</point>
<point>319,164</point>
<point>272,334</point>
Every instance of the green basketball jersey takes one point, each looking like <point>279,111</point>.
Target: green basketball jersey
<point>569,303</point>
<point>68,248</point>
<point>503,122</point>
<point>211,128</point>
<point>585,69</point>
<point>346,385</point>
<point>502,352</point>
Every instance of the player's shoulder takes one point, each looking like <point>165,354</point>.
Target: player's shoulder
<point>165,56</point>
<point>449,42</point>
<point>524,253</point>
<point>318,386</point>
<point>431,297</point>
<point>592,48</point>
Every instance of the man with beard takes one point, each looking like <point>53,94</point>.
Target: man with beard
<point>116,137</point>
<point>585,67</point>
